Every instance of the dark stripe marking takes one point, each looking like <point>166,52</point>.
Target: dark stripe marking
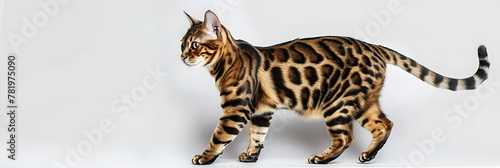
<point>266,65</point>
<point>280,88</point>
<point>333,109</point>
<point>249,88</point>
<point>241,90</point>
<point>261,120</point>
<point>423,72</point>
<point>315,97</point>
<point>357,47</point>
<point>481,73</point>
<point>308,51</point>
<point>331,55</point>
<point>452,84</point>
<point>217,141</point>
<point>305,93</point>
<point>235,118</point>
<point>470,83</point>
<point>340,120</point>
<point>338,131</point>
<point>438,79</point>
<point>364,122</point>
<point>246,112</point>
<point>231,130</point>
<point>234,103</point>
<point>225,93</point>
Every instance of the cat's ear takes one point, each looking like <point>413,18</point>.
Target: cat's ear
<point>192,20</point>
<point>211,22</point>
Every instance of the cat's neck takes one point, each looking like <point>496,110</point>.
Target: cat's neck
<point>225,55</point>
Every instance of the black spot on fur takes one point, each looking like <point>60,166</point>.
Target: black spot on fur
<point>294,75</point>
<point>367,60</point>
<point>346,73</point>
<point>355,78</point>
<point>413,63</point>
<point>283,55</point>
<point>240,90</point>
<point>311,75</point>
<point>364,122</point>
<point>296,55</point>
<point>326,70</point>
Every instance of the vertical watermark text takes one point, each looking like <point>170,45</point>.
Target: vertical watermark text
<point>12,89</point>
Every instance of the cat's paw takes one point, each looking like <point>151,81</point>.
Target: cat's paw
<point>203,160</point>
<point>244,157</point>
<point>365,157</point>
<point>315,159</point>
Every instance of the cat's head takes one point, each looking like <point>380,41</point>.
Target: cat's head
<point>203,41</point>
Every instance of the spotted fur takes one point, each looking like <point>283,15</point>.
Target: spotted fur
<point>337,78</point>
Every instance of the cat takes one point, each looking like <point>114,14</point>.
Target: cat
<point>337,78</point>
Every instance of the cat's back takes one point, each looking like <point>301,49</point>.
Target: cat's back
<point>317,51</point>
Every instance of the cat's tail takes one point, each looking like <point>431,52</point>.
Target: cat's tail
<point>439,80</point>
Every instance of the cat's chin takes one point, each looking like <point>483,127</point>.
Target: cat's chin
<point>198,63</point>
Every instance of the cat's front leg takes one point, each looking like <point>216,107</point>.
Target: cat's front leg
<point>230,124</point>
<point>258,127</point>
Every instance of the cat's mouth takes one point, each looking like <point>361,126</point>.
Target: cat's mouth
<point>196,63</point>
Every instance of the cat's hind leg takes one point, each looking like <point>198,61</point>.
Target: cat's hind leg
<point>374,121</point>
<point>339,123</point>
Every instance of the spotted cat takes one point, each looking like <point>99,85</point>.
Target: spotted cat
<point>337,78</point>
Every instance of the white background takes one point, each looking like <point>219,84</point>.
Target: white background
<point>87,56</point>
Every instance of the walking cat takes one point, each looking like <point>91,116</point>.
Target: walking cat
<point>337,78</point>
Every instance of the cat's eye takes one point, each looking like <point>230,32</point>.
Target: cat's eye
<point>195,45</point>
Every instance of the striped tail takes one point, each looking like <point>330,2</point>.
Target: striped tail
<point>439,80</point>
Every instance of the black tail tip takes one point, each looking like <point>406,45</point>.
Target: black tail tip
<point>481,51</point>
